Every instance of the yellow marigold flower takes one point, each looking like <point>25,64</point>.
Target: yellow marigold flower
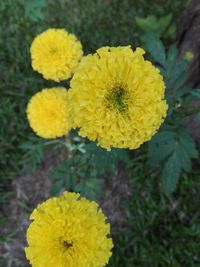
<point>117,98</point>
<point>68,231</point>
<point>47,113</point>
<point>55,54</point>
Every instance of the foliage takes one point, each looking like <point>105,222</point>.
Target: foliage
<point>84,168</point>
<point>161,27</point>
<point>172,146</point>
<point>160,232</point>
<point>33,153</point>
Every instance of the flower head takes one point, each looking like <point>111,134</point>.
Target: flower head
<point>55,54</point>
<point>47,113</point>
<point>189,55</point>
<point>117,98</point>
<point>68,231</point>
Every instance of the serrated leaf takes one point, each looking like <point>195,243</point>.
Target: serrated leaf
<point>60,171</point>
<point>33,154</point>
<point>170,174</point>
<point>168,146</point>
<point>155,48</point>
<point>160,147</point>
<point>61,174</point>
<point>184,158</point>
<point>188,143</point>
<point>103,160</point>
<point>164,135</point>
<point>158,153</point>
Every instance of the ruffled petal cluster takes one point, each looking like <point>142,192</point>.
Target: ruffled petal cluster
<point>68,231</point>
<point>117,98</point>
<point>48,113</point>
<point>55,54</point>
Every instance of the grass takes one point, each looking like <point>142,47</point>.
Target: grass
<point>162,232</point>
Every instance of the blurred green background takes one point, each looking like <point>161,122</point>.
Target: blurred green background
<point>161,231</point>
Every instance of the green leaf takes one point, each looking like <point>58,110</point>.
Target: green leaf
<point>180,81</point>
<point>60,171</point>
<point>90,188</point>
<point>147,24</point>
<point>184,157</point>
<point>34,9</point>
<point>178,70</point>
<point>170,174</point>
<point>160,147</point>
<point>163,23</point>
<point>152,24</point>
<point>183,91</point>
<point>171,32</point>
<point>155,48</point>
<point>100,158</point>
<point>164,135</point>
<point>33,153</point>
<point>176,76</point>
<point>188,143</point>
<point>61,175</point>
<point>56,187</point>
<point>169,146</point>
<point>171,57</point>
<point>104,160</point>
<point>163,72</point>
<point>159,152</point>
<point>196,93</point>
<point>120,154</point>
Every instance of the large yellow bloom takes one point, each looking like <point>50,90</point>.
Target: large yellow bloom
<point>55,54</point>
<point>68,231</point>
<point>117,98</point>
<point>47,113</point>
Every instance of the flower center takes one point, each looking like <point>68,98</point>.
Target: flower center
<point>53,50</point>
<point>66,244</point>
<point>117,99</point>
